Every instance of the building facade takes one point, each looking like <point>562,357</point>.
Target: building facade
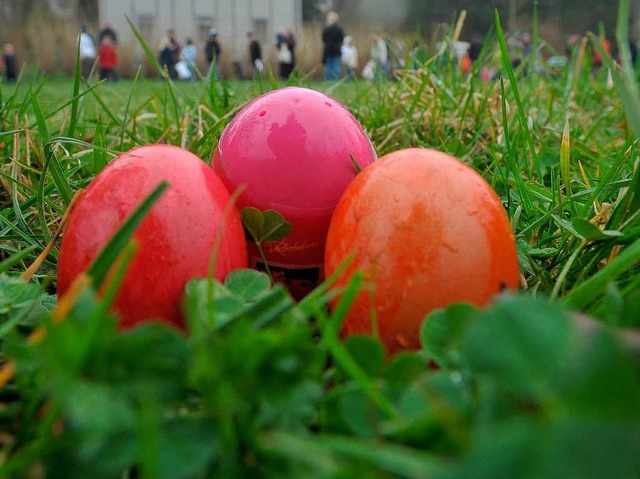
<point>194,18</point>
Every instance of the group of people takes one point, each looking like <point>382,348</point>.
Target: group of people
<point>340,51</point>
<point>340,56</point>
<point>180,62</point>
<point>105,52</point>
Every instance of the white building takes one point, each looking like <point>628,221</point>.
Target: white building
<point>193,18</point>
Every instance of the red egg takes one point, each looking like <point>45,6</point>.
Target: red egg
<point>427,231</point>
<point>176,238</point>
<point>292,149</point>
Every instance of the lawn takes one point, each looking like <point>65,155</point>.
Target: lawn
<point>545,383</point>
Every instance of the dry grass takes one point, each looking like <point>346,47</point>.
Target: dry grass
<point>50,42</point>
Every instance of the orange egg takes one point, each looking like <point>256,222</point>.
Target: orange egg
<point>427,231</point>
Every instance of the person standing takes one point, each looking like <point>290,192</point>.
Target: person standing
<point>255,54</point>
<point>332,38</point>
<point>212,52</point>
<point>349,57</point>
<point>286,44</point>
<point>10,63</point>
<point>596,58</point>
<point>380,55</point>
<point>88,52</point>
<point>107,59</point>
<point>108,31</point>
<point>475,48</point>
<point>190,56</point>
<point>169,52</point>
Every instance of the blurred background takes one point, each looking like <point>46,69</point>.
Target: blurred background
<point>44,32</point>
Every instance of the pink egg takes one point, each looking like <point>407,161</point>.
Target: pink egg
<point>292,151</point>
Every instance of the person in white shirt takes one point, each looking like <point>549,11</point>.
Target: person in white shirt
<point>88,52</point>
<point>380,55</point>
<point>349,54</point>
<point>189,55</point>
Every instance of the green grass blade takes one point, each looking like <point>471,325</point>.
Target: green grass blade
<point>314,298</point>
<point>51,162</point>
<point>269,307</point>
<point>506,61</point>
<point>629,204</point>
<point>396,459</point>
<point>15,259</point>
<point>99,156</point>
<point>273,82</point>
<point>513,168</point>
<point>330,337</point>
<point>624,80</point>
<point>63,106</point>
<point>174,104</point>
<point>154,61</point>
<point>108,295</point>
<point>11,226</point>
<point>124,129</point>
<point>586,292</point>
<point>15,182</point>
<point>627,81</point>
<point>212,89</point>
<point>105,109</point>
<point>75,105</point>
<point>535,44</point>
<point>147,51</point>
<point>10,133</point>
<point>565,158</point>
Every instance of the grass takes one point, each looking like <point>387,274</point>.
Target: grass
<point>560,149</point>
<point>560,195</point>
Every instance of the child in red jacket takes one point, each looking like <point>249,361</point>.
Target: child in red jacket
<point>108,59</point>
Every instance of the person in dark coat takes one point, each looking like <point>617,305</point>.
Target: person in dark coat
<point>332,37</point>
<point>169,53</point>
<point>476,47</point>
<point>10,63</point>
<point>286,45</point>
<point>255,54</point>
<point>212,52</point>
